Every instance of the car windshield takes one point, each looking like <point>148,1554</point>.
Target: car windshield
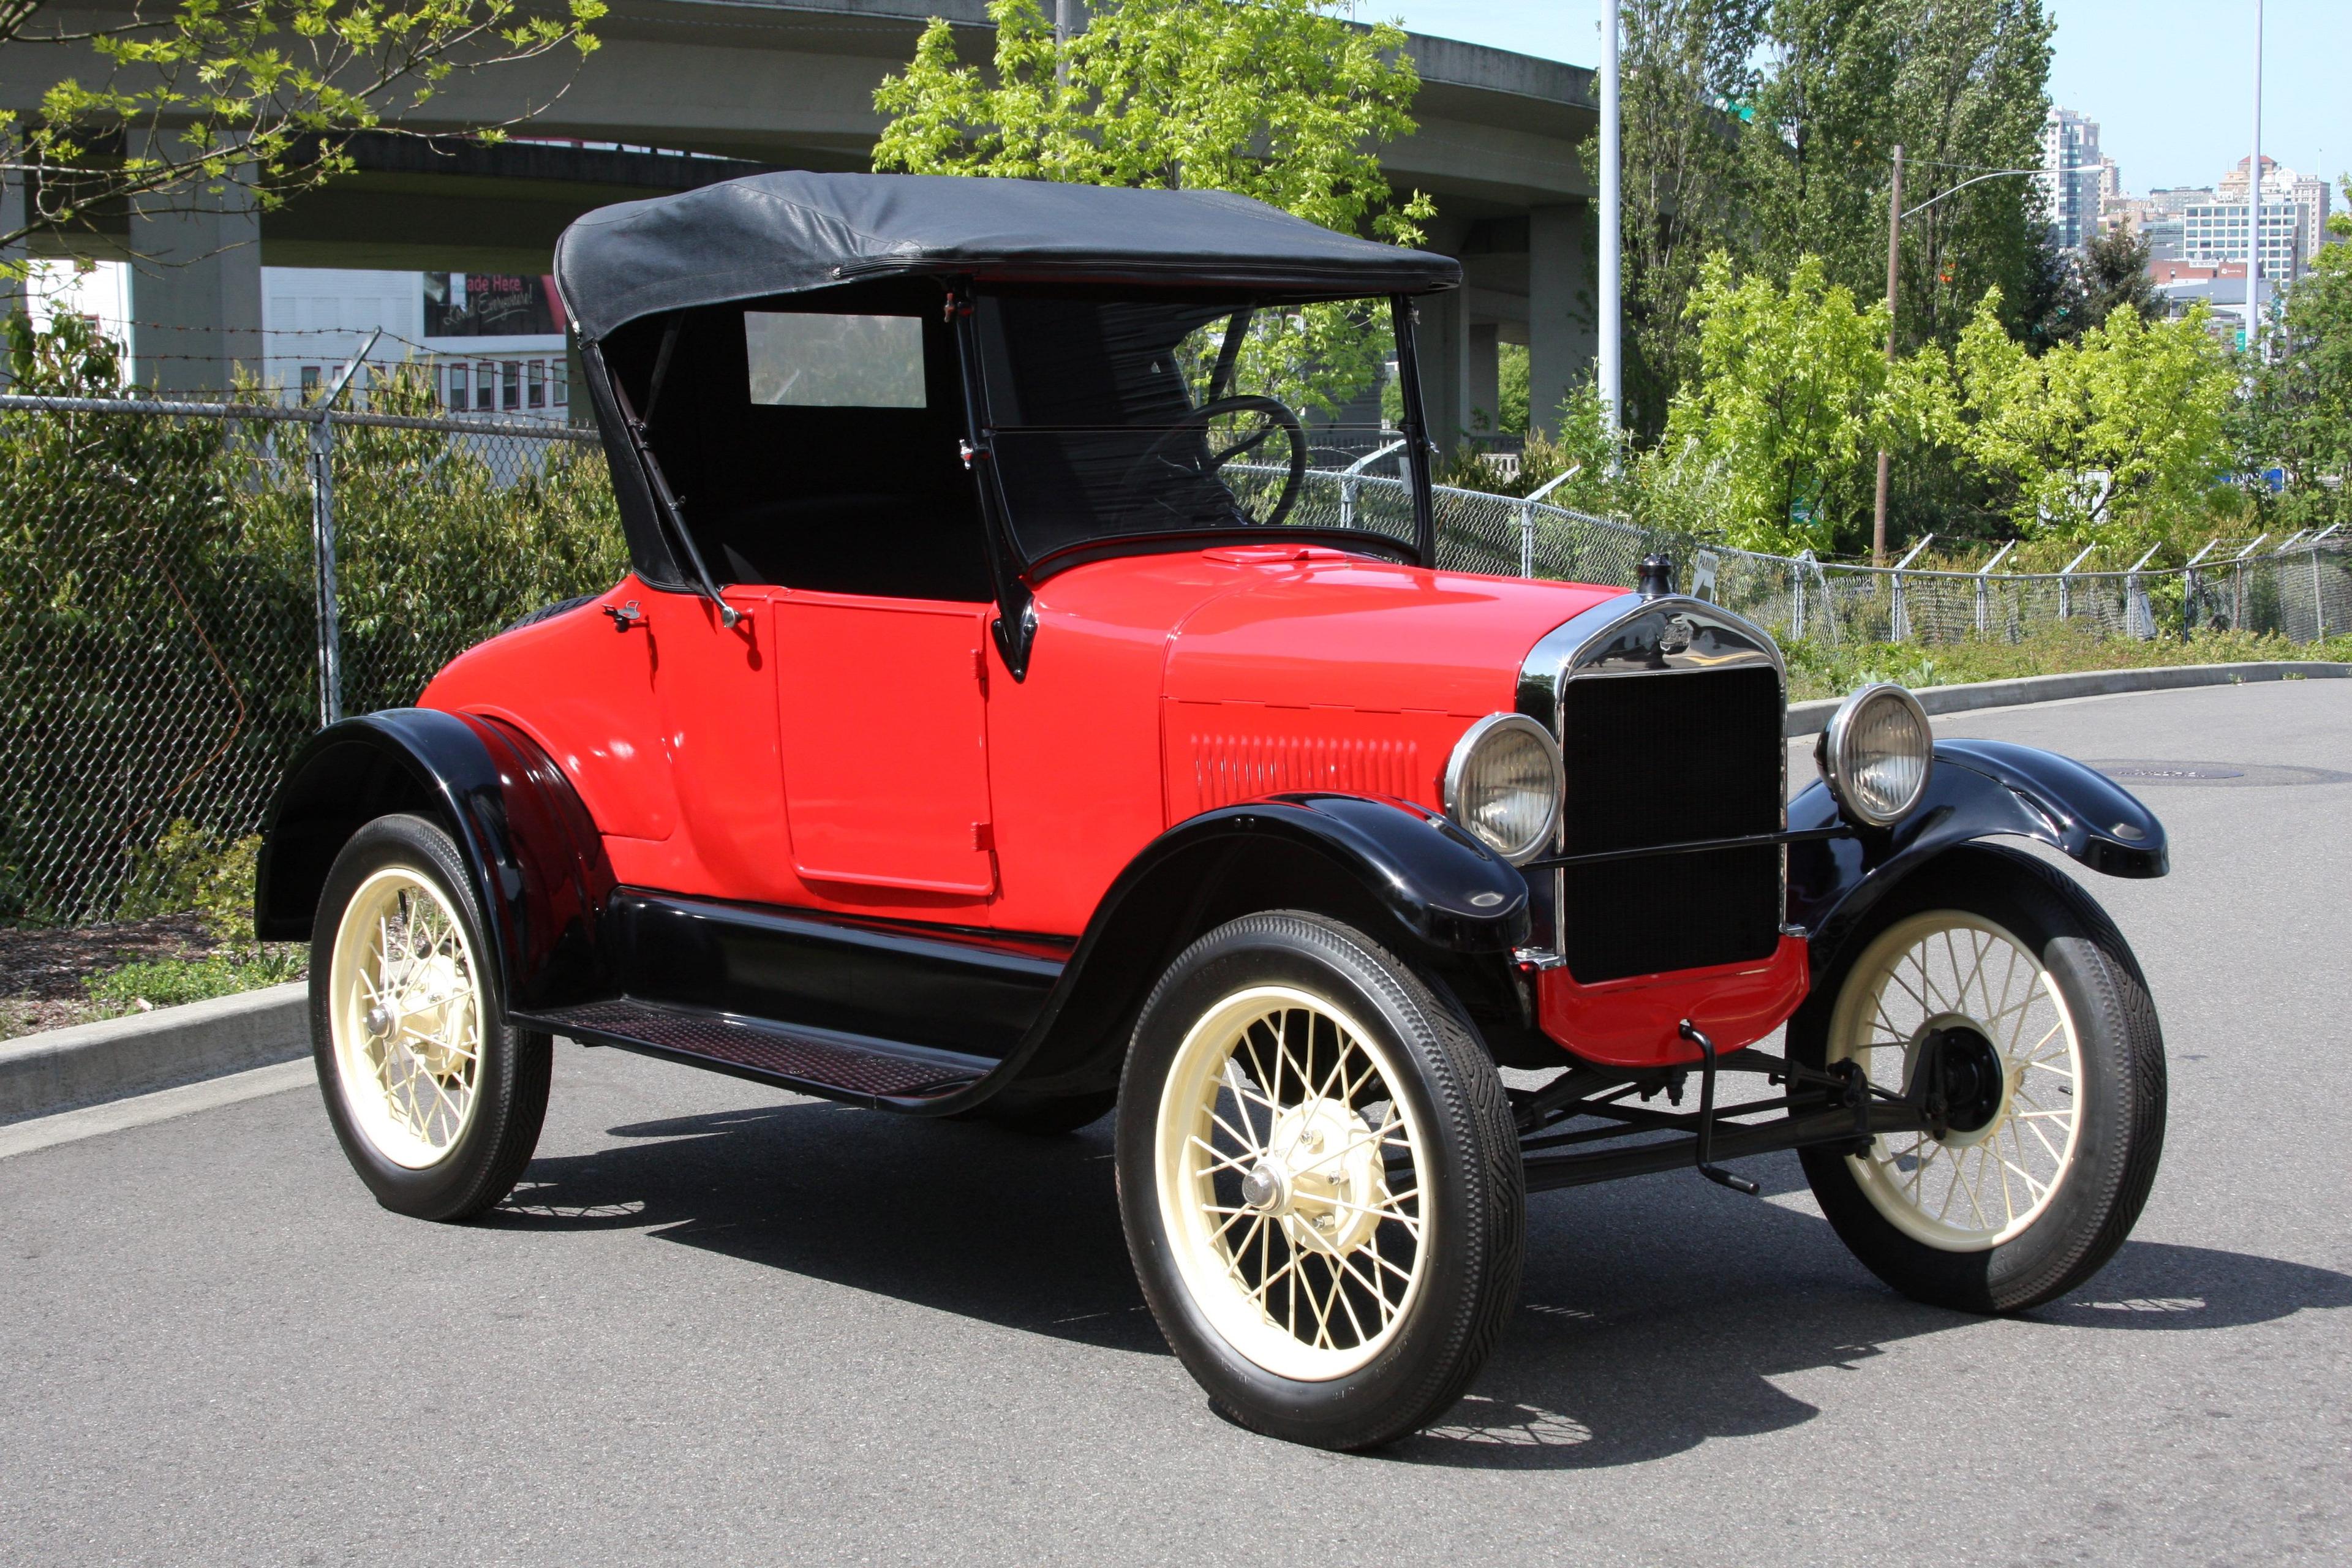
<point>1120,417</point>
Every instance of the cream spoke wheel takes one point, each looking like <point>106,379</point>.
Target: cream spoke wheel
<point>1290,1177</point>
<point>1954,1009</point>
<point>405,1011</point>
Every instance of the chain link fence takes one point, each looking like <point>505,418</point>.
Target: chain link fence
<point>168,637</point>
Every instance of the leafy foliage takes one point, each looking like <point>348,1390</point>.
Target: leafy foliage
<point>156,612</point>
<point>252,97</point>
<point>2299,418</point>
<point>1961,86</point>
<point>2125,422</point>
<point>1282,100</point>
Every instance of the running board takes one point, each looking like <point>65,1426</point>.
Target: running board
<point>859,1070</point>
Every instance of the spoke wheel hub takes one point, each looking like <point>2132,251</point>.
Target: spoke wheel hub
<point>1329,1177</point>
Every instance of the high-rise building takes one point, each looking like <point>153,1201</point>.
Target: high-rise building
<point>2294,220</point>
<point>2072,175</point>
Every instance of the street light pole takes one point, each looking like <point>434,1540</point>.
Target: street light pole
<point>1893,258</point>
<point>1609,348</point>
<point>2255,201</point>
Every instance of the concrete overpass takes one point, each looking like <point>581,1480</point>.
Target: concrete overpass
<point>790,83</point>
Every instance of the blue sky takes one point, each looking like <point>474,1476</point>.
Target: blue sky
<point>2170,81</point>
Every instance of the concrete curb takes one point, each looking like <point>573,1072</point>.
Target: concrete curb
<point>61,1069</point>
<point>1813,718</point>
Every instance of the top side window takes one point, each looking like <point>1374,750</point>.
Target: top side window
<point>814,441</point>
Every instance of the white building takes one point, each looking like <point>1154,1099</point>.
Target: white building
<point>2072,176</point>
<point>2294,220</point>
<point>492,344</point>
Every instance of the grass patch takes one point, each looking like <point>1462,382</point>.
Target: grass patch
<point>1818,669</point>
<point>170,982</point>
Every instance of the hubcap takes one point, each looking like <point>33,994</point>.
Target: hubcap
<point>1291,1183</point>
<point>405,1011</point>
<point>1952,1009</point>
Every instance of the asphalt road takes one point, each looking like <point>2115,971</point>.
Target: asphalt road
<point>722,1325</point>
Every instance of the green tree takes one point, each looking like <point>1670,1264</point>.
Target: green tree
<point>2300,416</point>
<point>163,101</point>
<point>1961,85</point>
<point>1777,431</point>
<point>1284,101</point>
<point>2101,437</point>
<point>1690,76</point>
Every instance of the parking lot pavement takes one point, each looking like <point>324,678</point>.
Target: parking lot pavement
<point>720,1325</point>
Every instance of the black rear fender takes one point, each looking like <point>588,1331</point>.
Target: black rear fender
<point>529,846</point>
<point>1979,789</point>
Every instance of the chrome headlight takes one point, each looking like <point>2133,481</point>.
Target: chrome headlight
<point>1504,784</point>
<point>1876,754</point>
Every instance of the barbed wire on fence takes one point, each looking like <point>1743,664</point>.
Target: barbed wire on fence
<point>165,644</point>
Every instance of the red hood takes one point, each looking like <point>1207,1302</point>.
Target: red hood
<point>1334,631</point>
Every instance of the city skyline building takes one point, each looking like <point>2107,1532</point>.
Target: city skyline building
<point>2072,176</point>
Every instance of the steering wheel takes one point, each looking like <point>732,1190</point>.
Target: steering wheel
<point>1159,461</point>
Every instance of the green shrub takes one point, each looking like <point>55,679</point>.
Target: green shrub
<point>170,982</point>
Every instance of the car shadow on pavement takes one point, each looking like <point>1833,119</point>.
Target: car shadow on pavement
<point>1655,1314</point>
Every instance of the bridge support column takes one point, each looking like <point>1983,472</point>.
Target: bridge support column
<point>1485,378</point>
<point>1443,338</point>
<point>1560,341</point>
<point>195,289</point>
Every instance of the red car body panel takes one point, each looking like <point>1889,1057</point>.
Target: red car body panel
<point>874,757</point>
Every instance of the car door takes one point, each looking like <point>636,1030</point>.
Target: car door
<point>882,710</point>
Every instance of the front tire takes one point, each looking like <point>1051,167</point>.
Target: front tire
<point>437,1100</point>
<point>1320,1183</point>
<point>1995,985</point>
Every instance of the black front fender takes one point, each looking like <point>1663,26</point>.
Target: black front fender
<point>1438,890</point>
<point>1979,789</point>
<point>531,849</point>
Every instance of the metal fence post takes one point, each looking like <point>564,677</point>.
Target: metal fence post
<point>1899,613</point>
<point>322,540</point>
<point>1797,593</point>
<point>2318,595</point>
<point>1527,516</point>
<point>1982,607</point>
<point>1350,476</point>
<point>2238,582</point>
<point>2066,583</point>
<point>2138,612</point>
<point>2192,587</point>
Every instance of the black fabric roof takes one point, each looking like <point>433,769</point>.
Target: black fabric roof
<point>787,233</point>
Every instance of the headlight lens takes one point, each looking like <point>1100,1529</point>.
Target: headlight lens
<point>1504,784</point>
<point>1876,754</point>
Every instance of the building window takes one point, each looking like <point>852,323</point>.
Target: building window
<point>559,388</point>
<point>454,397</point>
<point>511,379</point>
<point>309,382</point>
<point>535,385</point>
<point>486,388</point>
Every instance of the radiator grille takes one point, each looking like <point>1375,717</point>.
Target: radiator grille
<point>1663,759</point>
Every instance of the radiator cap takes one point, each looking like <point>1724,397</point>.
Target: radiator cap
<point>1657,578</point>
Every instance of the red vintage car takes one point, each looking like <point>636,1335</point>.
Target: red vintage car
<point>1009,716</point>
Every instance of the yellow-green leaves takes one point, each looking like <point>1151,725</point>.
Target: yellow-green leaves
<point>258,94</point>
<point>1279,100</point>
<point>2094,433</point>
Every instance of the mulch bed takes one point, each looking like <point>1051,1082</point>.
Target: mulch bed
<point>42,968</point>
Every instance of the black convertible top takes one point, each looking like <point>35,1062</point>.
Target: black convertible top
<point>789,232</point>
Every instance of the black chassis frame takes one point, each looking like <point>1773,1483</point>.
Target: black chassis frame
<point>933,1020</point>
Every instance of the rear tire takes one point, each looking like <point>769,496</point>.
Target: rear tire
<point>1320,1183</point>
<point>2003,983</point>
<point>437,1100</point>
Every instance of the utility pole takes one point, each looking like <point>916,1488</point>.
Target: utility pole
<point>1066,24</point>
<point>2254,202</point>
<point>1613,228</point>
<point>1893,258</point>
